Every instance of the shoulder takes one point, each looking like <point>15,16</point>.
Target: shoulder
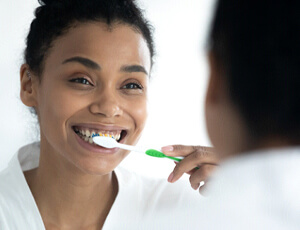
<point>8,176</point>
<point>12,179</point>
<point>261,171</point>
<point>251,190</point>
<point>9,191</point>
<point>16,200</point>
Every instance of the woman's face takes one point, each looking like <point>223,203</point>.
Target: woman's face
<point>95,79</point>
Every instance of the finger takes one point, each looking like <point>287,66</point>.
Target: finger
<point>184,166</point>
<point>201,175</point>
<point>199,158</point>
<point>192,171</point>
<point>178,150</point>
<point>184,150</point>
<point>189,172</point>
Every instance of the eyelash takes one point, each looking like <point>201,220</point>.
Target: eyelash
<point>81,80</point>
<point>133,86</point>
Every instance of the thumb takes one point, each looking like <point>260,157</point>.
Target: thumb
<point>178,150</point>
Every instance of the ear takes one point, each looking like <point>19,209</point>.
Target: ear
<point>28,86</point>
<point>215,89</point>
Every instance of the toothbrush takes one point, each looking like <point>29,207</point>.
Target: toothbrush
<point>109,142</point>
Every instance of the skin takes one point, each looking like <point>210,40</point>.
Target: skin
<point>225,126</point>
<point>73,187</point>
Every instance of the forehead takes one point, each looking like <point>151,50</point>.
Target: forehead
<point>118,43</point>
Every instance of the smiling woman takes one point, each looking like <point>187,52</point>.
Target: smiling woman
<point>94,79</point>
<point>87,66</point>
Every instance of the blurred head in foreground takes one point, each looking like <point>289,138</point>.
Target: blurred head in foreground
<point>253,96</point>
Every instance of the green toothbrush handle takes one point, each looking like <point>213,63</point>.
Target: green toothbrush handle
<point>173,158</point>
<point>155,153</point>
<point>177,159</point>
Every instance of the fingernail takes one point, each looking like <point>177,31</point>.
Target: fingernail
<point>202,183</point>
<point>170,178</point>
<point>168,148</point>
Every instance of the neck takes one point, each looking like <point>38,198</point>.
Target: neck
<point>275,142</point>
<point>69,198</point>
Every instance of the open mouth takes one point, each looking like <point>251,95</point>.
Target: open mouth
<point>86,134</point>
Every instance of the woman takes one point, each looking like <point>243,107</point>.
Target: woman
<point>87,67</point>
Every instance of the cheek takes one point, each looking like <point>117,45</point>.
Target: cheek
<point>209,120</point>
<point>138,110</point>
<point>56,106</point>
<point>141,115</point>
<point>225,130</point>
<point>215,127</point>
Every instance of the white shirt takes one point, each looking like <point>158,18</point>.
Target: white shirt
<point>141,203</point>
<point>258,190</point>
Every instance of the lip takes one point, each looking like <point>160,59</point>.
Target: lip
<point>96,127</point>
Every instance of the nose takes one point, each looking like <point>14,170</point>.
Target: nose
<point>106,104</point>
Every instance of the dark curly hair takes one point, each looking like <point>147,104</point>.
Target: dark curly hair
<point>54,17</point>
<point>257,44</point>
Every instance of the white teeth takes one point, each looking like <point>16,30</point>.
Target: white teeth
<point>87,133</point>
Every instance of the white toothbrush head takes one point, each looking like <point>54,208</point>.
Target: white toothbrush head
<point>106,142</point>
<point>109,142</point>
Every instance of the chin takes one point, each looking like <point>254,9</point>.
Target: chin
<point>98,166</point>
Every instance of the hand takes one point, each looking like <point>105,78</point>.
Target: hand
<point>199,162</point>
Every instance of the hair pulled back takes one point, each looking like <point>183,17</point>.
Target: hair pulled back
<point>54,17</point>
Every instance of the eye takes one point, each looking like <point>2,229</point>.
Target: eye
<point>132,86</point>
<point>81,80</point>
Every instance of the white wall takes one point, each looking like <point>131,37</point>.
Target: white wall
<point>177,88</point>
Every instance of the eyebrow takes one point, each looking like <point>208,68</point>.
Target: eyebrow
<point>84,61</point>
<point>93,65</point>
<point>133,68</point>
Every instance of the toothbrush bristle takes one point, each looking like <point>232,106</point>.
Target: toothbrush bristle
<point>102,135</point>
<point>106,142</point>
<point>95,135</point>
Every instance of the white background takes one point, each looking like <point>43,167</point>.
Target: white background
<point>178,84</point>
